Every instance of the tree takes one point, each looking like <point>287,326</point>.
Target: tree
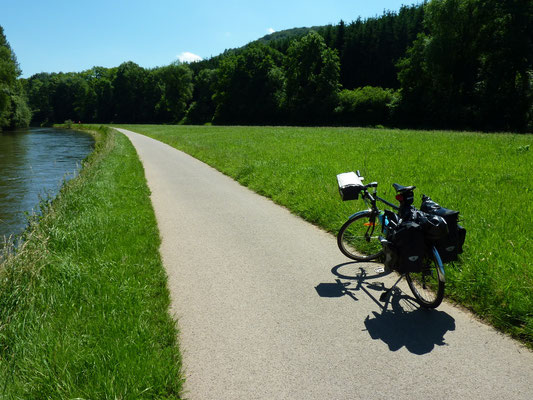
<point>136,94</point>
<point>71,98</point>
<point>340,37</point>
<point>39,88</point>
<point>175,81</point>
<point>249,88</point>
<point>202,108</point>
<point>100,81</point>
<point>128,93</point>
<point>312,71</point>
<point>20,111</point>
<point>14,111</point>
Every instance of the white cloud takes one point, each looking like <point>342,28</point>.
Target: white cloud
<point>271,30</point>
<point>187,56</point>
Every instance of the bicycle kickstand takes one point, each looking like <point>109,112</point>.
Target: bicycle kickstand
<point>385,295</point>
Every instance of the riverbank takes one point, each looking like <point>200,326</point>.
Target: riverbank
<point>34,163</point>
<point>84,303</point>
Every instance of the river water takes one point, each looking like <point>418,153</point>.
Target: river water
<point>33,165</point>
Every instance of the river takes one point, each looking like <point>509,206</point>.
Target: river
<point>33,165</point>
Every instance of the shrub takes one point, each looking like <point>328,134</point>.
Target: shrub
<point>365,106</point>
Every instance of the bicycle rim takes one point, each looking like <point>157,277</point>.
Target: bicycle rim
<point>358,238</point>
<point>427,285</point>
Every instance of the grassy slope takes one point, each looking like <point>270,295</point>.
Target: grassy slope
<point>84,304</point>
<point>486,177</point>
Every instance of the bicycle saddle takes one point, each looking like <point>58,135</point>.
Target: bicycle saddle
<point>402,189</point>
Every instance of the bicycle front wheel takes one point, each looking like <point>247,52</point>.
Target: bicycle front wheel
<point>428,284</point>
<point>358,238</point>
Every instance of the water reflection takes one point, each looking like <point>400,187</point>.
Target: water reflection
<point>34,163</point>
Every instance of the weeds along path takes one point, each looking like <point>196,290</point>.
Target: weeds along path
<point>268,308</point>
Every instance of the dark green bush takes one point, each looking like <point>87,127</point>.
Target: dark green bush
<point>365,106</point>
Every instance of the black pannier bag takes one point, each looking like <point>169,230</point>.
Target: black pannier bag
<point>408,240</point>
<point>350,186</point>
<point>450,245</point>
<point>434,227</point>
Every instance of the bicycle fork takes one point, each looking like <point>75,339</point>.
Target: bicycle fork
<point>442,276</point>
<point>371,226</point>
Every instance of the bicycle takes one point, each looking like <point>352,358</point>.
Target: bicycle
<point>360,239</point>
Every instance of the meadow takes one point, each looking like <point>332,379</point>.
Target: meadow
<point>487,177</point>
<point>83,301</point>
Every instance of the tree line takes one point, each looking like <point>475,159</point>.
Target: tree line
<point>455,64</point>
<point>125,94</point>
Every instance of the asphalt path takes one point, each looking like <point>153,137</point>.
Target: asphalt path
<point>268,308</point>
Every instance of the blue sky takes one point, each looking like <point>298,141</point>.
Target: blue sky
<point>75,35</point>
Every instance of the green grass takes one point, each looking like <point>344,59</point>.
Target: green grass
<point>84,302</point>
<point>485,176</point>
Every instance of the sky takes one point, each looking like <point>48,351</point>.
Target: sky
<point>75,35</point>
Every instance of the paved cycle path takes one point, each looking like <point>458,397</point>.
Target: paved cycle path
<point>268,308</point>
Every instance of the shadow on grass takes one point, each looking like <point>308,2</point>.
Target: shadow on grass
<point>401,321</point>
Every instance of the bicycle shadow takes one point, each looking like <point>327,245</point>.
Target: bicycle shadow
<point>401,322</point>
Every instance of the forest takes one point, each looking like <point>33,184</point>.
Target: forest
<point>443,64</point>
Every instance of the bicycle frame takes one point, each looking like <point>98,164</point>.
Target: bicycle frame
<point>371,200</point>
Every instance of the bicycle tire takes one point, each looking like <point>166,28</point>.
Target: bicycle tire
<point>351,238</point>
<point>428,285</point>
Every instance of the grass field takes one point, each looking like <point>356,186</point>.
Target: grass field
<point>84,303</point>
<point>487,177</point>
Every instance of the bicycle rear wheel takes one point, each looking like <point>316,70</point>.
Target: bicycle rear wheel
<point>358,238</point>
<point>428,284</point>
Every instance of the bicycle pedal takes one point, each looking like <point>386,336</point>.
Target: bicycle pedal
<point>379,270</point>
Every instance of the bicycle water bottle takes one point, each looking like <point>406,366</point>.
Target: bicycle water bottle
<point>384,221</point>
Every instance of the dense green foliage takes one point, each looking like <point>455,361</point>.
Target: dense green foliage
<point>366,106</point>
<point>14,111</point>
<point>249,87</point>
<point>486,177</point>
<point>83,302</point>
<point>473,68</point>
<point>312,80</point>
<point>128,93</point>
<point>464,64</point>
<point>368,49</point>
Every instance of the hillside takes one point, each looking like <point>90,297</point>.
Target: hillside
<point>287,34</point>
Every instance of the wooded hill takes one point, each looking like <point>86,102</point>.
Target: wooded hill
<point>456,64</point>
